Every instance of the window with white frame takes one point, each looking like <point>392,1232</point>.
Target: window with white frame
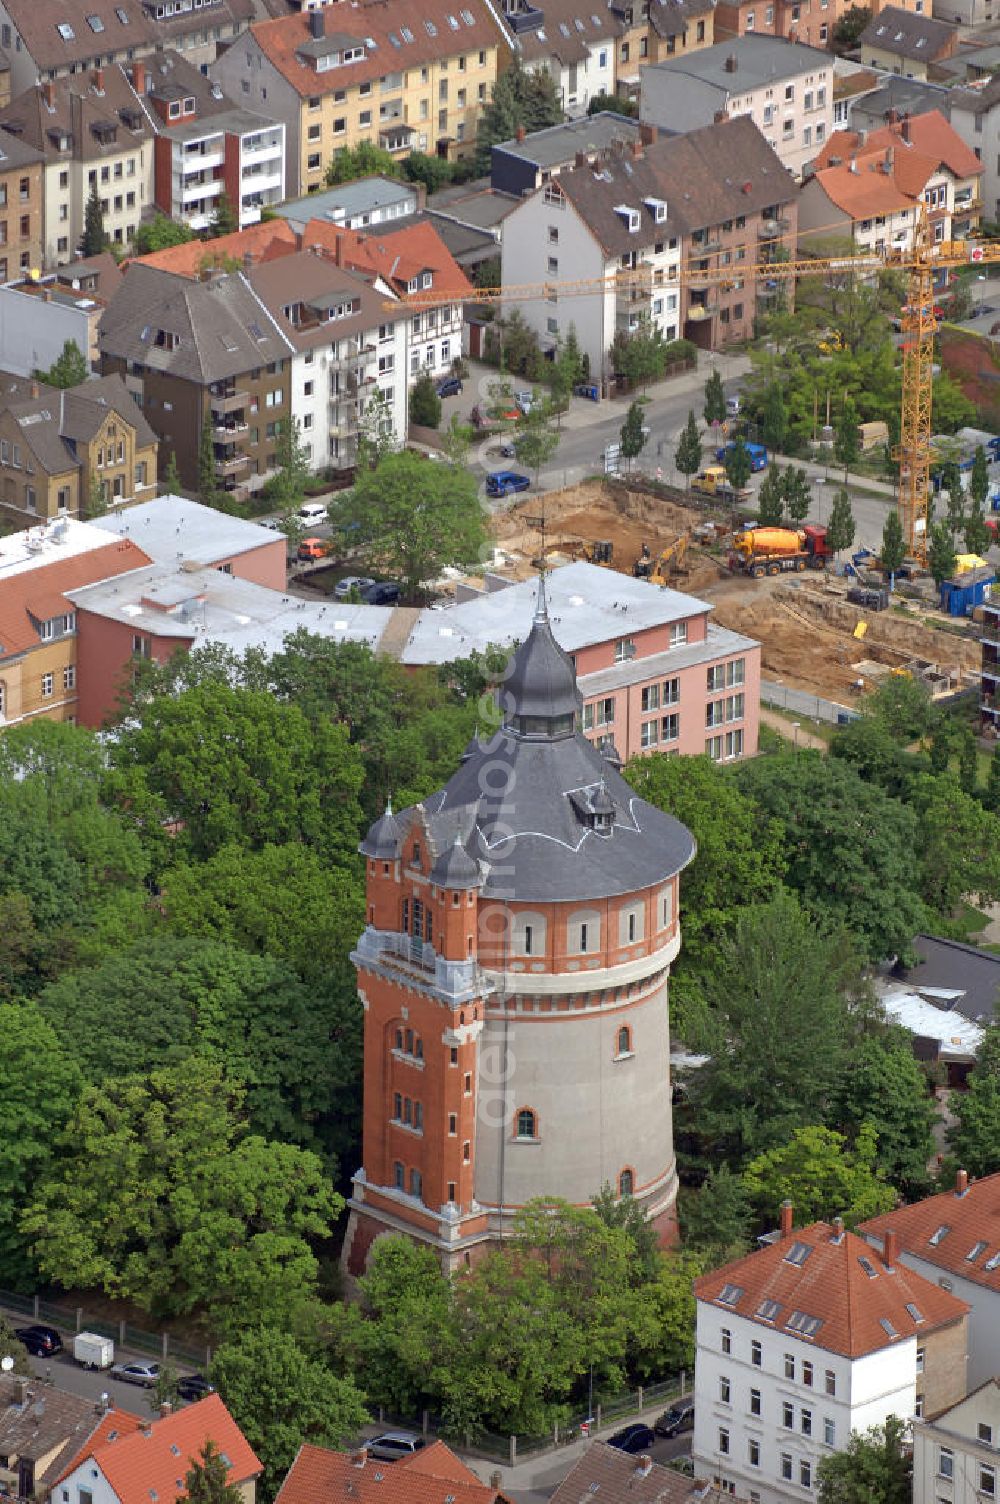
<point>678,634</point>
<point>946,1462</point>
<point>670,727</point>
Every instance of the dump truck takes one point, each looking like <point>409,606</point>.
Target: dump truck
<point>776,550</point>
<point>713,481</point>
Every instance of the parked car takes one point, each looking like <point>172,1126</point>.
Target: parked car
<point>358,582</point>
<point>143,1374</point>
<point>381,593</point>
<point>392,1445</point>
<point>41,1341</point>
<point>273,524</point>
<point>732,407</point>
<point>313,511</point>
<point>525,401</point>
<point>311,548</point>
<point>634,1438</point>
<point>680,1417</point>
<point>194,1386</point>
<point>504,482</point>
<point>449,386</point>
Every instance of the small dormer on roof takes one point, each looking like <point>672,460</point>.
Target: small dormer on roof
<point>455,868</point>
<point>596,808</point>
<point>384,837</point>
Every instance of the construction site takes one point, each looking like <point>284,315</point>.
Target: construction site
<point>812,637</point>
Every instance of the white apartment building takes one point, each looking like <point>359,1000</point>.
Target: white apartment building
<point>575,42</point>
<point>785,88</point>
<point>975,115</point>
<point>802,1342</point>
<point>956,1456</point>
<point>236,152</point>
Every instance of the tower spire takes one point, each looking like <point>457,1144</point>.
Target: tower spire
<point>541,605</point>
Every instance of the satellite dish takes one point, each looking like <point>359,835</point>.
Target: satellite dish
<point>7,1363</point>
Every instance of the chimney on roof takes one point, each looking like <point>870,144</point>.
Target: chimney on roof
<point>99,80</point>
<point>838,1230</point>
<point>720,117</point>
<point>852,166</point>
<point>862,138</point>
<point>891,117</point>
<point>35,389</point>
<point>317,23</point>
<point>787,1218</point>
<point>890,1248</point>
<point>732,63</point>
<point>146,1430</point>
<point>904,126</point>
<point>49,95</point>
<point>139,77</point>
<point>961,1182</point>
<point>637,150</point>
<point>643,1466</point>
<point>165,1409</point>
<point>360,1457</point>
<point>520,133</point>
<point>20,1391</point>
<point>648,135</point>
<point>103,1404</point>
<point>581,159</point>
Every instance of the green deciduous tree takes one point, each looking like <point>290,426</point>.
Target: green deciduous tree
<point>412,519</point>
<point>688,455</point>
<point>288,486</point>
<point>959,840</point>
<point>941,558</point>
<point>850,26</point>
<point>626,1212</point>
<point>770,499</point>
<point>893,550</point>
<point>715,399</point>
<point>425,404</point>
<point>737,463</point>
<point>663,1317</point>
<point>774,420</point>
<point>94,239</point>
<point>716,1218</point>
<point>225,220</point>
<point>848,848</point>
<point>208,481</point>
<point>237,766</point>
<point>872,1468</point>
<point>840,527</point>
<point>780,1022</point>
<point>974,1137</point>
<point>977,535</point>
<point>796,492</point>
<point>12,1347</point>
<point>822,1176</point>
<point>632,437</point>
<point>160,232</point>
<point>846,439</point>
<point>737,863</point>
<point>361,161</point>
<point>979,480</point>
<point>991,798</point>
<point>170,485</point>
<point>885,1086</point>
<point>434,172</point>
<point>31,1121</point>
<point>281,1395</point>
<point>536,440</point>
<point>163,1196</point>
<point>520,97</point>
<point>70,368</point>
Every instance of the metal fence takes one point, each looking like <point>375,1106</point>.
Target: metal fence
<point>72,1319</point>
<point>800,703</point>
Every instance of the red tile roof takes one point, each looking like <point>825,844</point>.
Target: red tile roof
<point>432,1477</point>
<point>151,1463</point>
<point>932,143</point>
<point>814,1276</point>
<point>972,1221</point>
<point>264,242</point>
<point>404,37</point>
<point>396,256</point>
<point>38,594</point>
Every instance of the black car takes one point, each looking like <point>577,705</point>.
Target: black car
<point>194,1386</point>
<point>634,1438</point>
<point>382,593</point>
<point>449,386</point>
<point>680,1417</point>
<point>41,1341</point>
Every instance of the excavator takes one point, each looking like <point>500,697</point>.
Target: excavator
<point>670,562</point>
<point>597,553</point>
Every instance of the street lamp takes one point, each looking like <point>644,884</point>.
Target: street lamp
<point>818,483</point>
<point>795,728</point>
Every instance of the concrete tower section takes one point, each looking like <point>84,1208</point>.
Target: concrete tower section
<point>514,969</point>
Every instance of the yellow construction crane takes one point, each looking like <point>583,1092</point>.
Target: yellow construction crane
<point>918,264</point>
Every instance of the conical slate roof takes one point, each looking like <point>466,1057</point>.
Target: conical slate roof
<point>540,683</point>
<point>383,839</point>
<point>455,868</point>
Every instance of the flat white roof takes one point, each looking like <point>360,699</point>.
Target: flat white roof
<point>204,605</point>
<point>957,1037</point>
<point>587,604</point>
<point>64,538</point>
<point>172,528</point>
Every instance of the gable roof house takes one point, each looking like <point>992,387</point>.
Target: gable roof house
<point>611,1476</point>
<point>41,1428</point>
<point>427,1477</point>
<point>807,1339</point>
<point>785,88</point>
<point>872,186</point>
<point>151,1462</point>
<point>899,42</point>
<point>953,1238</point>
<point>199,354</point>
<point>574,41</point>
<point>957,1450</point>
<point>339,75</point>
<point>706,195</point>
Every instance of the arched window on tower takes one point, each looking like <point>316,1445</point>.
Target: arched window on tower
<point>527,1123</point>
<point>626,1183</point>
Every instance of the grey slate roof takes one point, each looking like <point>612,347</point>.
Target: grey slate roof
<point>341,204</point>
<point>221,328</point>
<point>907,96</point>
<point>54,421</point>
<point>569,31</point>
<point>558,144</point>
<point>907,35</point>
<point>528,806</point>
<point>950,966</point>
<point>307,278</point>
<point>759,60</point>
<point>668,18</point>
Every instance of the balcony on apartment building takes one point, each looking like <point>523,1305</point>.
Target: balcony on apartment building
<point>989,632</point>
<point>770,227</point>
<point>230,462</point>
<point>202,156</point>
<point>702,306</point>
<point>229,428</point>
<point>705,243</point>
<point>196,190</point>
<point>228,400</point>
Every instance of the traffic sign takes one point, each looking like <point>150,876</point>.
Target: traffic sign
<point>976,254</point>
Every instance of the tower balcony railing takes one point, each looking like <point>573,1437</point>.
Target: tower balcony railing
<point>399,951</point>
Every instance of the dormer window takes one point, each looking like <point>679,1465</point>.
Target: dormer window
<point>426,279</point>
<point>174,109</point>
<point>189,105</point>
<point>658,208</point>
<point>631,217</point>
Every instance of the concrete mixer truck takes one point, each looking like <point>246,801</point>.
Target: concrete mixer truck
<point>776,550</point>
